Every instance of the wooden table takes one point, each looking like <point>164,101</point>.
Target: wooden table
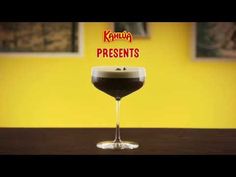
<point>82,141</point>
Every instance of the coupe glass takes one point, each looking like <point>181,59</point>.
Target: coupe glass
<point>118,82</point>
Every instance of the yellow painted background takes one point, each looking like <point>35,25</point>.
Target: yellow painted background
<point>179,92</point>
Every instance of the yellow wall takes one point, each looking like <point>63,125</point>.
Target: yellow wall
<point>179,92</point>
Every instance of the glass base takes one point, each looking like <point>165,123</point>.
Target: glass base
<point>117,145</point>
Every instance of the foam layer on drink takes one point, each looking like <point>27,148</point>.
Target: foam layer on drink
<point>118,72</point>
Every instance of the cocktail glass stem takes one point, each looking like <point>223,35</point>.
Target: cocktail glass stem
<point>117,134</point>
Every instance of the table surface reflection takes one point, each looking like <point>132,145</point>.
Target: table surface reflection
<point>82,141</point>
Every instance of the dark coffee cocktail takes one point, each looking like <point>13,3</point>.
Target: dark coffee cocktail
<point>118,81</point>
<point>118,87</point>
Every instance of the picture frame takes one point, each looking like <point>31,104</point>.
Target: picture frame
<point>137,29</point>
<point>214,40</point>
<point>30,39</point>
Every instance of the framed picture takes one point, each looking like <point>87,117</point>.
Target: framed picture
<point>137,29</point>
<point>40,38</point>
<point>215,40</point>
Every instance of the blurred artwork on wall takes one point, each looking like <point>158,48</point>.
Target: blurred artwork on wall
<point>40,37</point>
<point>137,29</point>
<point>215,40</point>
